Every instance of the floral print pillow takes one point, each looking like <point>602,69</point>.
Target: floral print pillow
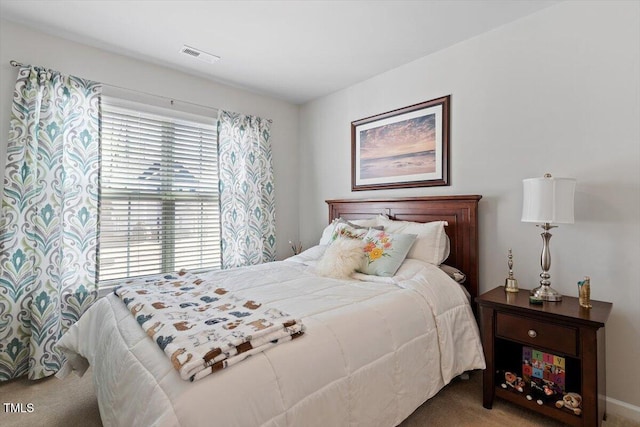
<point>385,252</point>
<point>346,231</point>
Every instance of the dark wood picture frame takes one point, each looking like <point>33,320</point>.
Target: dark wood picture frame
<point>403,148</point>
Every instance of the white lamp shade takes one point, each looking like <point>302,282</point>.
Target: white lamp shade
<point>548,200</point>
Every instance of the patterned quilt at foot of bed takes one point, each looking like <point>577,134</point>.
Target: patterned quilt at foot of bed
<point>201,327</point>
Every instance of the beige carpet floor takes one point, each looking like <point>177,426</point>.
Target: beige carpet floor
<point>71,402</point>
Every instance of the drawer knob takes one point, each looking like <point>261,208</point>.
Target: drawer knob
<point>532,333</point>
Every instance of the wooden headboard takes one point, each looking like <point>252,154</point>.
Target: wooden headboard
<point>461,212</point>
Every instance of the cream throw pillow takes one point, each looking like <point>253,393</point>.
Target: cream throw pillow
<point>341,258</point>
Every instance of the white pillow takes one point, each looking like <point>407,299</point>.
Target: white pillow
<point>370,222</point>
<point>327,233</point>
<point>341,258</point>
<point>432,243</point>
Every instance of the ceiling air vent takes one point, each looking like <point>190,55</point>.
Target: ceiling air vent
<point>198,54</point>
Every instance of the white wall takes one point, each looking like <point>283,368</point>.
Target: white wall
<point>31,47</point>
<point>558,92</point>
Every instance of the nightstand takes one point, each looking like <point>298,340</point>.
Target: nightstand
<point>510,324</point>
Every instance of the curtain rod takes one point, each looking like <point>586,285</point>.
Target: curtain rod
<point>15,63</point>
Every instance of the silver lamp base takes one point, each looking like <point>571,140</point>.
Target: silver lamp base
<point>546,293</point>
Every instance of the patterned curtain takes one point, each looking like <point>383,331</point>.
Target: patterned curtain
<point>48,226</point>
<point>247,198</point>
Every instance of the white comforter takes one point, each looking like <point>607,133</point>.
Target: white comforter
<point>375,349</point>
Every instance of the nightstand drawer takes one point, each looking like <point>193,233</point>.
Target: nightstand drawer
<point>537,333</point>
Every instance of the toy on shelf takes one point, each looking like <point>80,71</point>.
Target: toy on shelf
<point>513,381</point>
<point>571,401</point>
<point>543,391</point>
<point>544,366</point>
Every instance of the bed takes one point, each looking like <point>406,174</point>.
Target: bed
<point>373,349</point>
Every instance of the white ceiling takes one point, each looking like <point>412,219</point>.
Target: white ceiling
<point>291,50</point>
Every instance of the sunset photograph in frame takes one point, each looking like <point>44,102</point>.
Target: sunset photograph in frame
<point>404,148</point>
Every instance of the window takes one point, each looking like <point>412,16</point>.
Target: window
<point>159,194</point>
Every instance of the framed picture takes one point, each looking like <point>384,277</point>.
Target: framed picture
<point>404,148</point>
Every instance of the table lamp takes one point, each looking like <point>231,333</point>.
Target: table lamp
<point>547,201</point>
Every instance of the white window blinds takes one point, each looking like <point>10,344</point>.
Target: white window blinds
<point>159,195</point>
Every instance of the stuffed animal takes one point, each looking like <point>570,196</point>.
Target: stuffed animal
<point>513,381</point>
<point>571,401</point>
<point>543,391</point>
